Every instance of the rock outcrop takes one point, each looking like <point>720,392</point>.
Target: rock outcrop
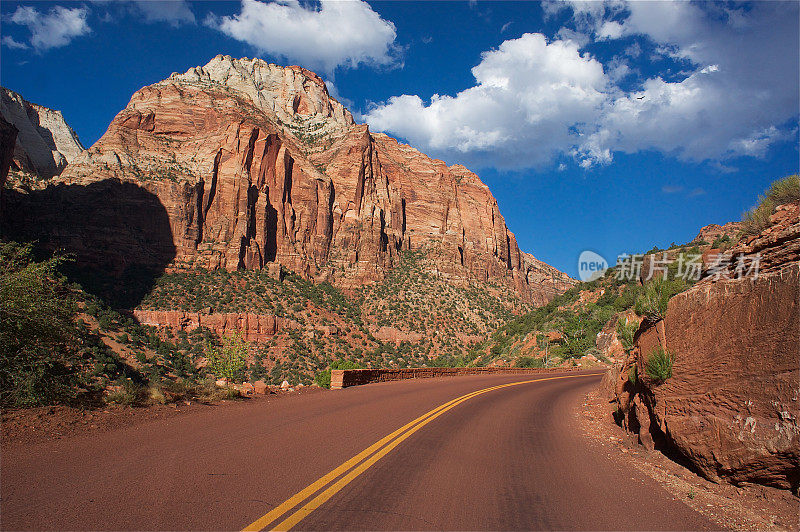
<point>252,327</point>
<point>8,140</point>
<point>45,144</point>
<point>257,164</point>
<point>731,406</point>
<point>711,232</point>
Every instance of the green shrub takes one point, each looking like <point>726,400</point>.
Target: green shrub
<point>721,241</point>
<point>128,394</point>
<point>785,190</point>
<point>529,362</point>
<point>625,332</point>
<point>757,219</point>
<point>782,191</point>
<point>633,374</point>
<point>40,343</point>
<point>659,364</point>
<point>230,359</point>
<point>652,303</point>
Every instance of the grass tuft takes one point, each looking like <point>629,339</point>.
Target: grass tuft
<point>659,364</point>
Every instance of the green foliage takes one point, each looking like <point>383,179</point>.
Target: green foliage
<point>626,331</point>
<point>659,364</point>
<point>228,360</point>
<point>323,378</point>
<point>40,346</point>
<point>757,219</point>
<point>721,241</point>
<point>782,191</point>
<point>529,362</point>
<point>652,304</point>
<point>633,374</point>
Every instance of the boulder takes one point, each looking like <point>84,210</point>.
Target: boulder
<point>260,387</point>
<point>731,406</point>
<point>246,389</point>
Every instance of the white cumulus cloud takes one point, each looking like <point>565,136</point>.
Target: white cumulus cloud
<point>535,101</point>
<point>531,99</point>
<point>53,29</point>
<point>9,42</point>
<point>336,34</point>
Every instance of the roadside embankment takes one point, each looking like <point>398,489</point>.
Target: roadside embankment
<point>725,395</point>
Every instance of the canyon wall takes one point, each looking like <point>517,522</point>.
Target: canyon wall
<point>255,163</point>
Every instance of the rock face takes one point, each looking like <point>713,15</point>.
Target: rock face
<point>607,340</point>
<point>253,327</point>
<point>8,139</point>
<point>731,406</point>
<point>257,164</point>
<point>711,232</point>
<point>45,143</point>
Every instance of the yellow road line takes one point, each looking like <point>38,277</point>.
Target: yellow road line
<point>382,446</point>
<point>300,496</point>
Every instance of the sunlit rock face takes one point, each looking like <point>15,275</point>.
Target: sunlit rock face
<point>256,164</point>
<point>45,144</point>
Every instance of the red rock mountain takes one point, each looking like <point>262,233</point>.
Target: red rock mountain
<point>256,163</point>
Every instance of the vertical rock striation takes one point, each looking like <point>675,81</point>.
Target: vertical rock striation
<point>257,164</point>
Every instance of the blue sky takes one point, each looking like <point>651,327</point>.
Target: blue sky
<point>597,125</point>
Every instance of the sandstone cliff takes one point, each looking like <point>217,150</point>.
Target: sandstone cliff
<point>44,143</point>
<point>731,406</point>
<point>255,163</point>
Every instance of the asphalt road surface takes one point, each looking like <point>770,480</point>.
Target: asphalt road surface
<point>410,455</point>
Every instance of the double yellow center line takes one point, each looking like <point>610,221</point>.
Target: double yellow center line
<point>363,461</point>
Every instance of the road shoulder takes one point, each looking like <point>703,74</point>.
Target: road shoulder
<point>745,508</point>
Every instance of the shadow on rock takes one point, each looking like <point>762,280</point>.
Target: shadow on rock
<point>118,233</point>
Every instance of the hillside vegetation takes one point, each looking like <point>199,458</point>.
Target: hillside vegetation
<point>61,343</point>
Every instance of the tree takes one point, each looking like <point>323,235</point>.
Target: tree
<point>228,360</point>
<point>40,345</point>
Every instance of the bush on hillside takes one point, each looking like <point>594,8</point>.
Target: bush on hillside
<point>529,362</point>
<point>228,360</point>
<point>721,242</point>
<point>652,303</point>
<point>626,330</point>
<point>757,219</point>
<point>785,190</point>
<point>40,345</point>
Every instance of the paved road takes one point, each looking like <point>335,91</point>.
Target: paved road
<point>506,459</point>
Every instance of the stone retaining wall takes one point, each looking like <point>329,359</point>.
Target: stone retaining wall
<point>343,378</point>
